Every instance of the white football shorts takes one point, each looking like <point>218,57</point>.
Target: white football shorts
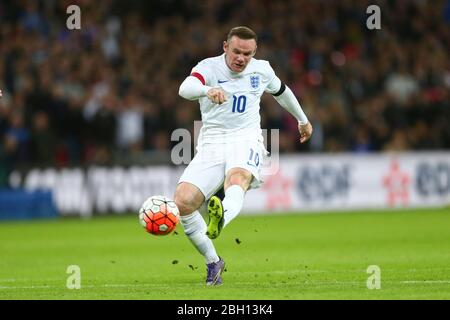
<point>212,162</point>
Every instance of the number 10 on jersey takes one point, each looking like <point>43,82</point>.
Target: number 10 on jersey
<point>239,104</point>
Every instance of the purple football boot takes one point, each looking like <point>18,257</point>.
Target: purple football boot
<point>215,269</point>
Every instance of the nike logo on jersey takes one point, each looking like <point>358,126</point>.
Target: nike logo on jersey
<point>222,81</point>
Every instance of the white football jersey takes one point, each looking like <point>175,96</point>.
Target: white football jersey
<point>237,118</point>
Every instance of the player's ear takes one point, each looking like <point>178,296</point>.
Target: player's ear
<point>225,46</point>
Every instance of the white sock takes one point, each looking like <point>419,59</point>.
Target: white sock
<point>232,203</point>
<point>195,229</point>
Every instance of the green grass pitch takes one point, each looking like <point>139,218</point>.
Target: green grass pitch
<point>277,256</point>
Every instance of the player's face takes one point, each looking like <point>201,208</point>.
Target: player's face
<point>239,52</point>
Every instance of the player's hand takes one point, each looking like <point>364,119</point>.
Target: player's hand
<point>1,93</point>
<point>216,95</point>
<point>305,131</point>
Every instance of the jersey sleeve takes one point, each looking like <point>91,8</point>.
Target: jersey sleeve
<point>202,71</point>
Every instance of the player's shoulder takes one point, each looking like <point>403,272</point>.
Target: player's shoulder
<point>263,67</point>
<point>207,68</point>
<point>261,63</point>
<point>211,61</point>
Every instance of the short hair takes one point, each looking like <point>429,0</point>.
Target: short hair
<point>242,33</point>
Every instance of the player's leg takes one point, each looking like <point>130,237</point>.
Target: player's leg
<point>201,179</point>
<point>242,172</point>
<point>189,198</point>
<point>237,181</point>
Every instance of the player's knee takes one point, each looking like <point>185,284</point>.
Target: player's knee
<point>241,178</point>
<point>187,200</point>
<point>184,203</point>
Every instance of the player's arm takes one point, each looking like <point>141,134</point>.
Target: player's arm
<point>194,87</point>
<point>286,98</point>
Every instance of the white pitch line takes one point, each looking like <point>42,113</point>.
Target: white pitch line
<point>425,281</point>
<point>25,287</point>
<point>306,282</point>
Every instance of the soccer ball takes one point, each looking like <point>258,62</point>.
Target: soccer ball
<point>159,215</point>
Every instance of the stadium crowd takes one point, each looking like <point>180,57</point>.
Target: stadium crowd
<point>110,90</point>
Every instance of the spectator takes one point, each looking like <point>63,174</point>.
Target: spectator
<point>111,87</point>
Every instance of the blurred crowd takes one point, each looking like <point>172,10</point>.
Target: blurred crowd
<point>109,91</point>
